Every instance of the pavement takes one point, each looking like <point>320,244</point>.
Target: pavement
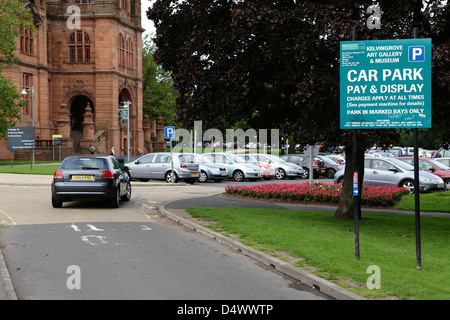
<point>175,211</point>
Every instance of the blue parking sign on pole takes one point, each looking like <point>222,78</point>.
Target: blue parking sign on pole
<point>169,132</point>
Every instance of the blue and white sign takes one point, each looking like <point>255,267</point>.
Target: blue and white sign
<point>385,84</point>
<point>169,132</point>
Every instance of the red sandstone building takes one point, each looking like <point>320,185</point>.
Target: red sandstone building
<point>82,62</point>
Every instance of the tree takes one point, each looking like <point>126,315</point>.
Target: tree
<point>13,16</point>
<point>159,96</point>
<point>275,64</point>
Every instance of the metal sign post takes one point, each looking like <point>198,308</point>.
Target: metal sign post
<point>169,133</point>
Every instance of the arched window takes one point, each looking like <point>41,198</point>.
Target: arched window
<point>121,41</point>
<point>129,54</point>
<point>79,47</point>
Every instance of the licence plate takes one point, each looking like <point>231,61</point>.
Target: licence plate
<point>194,174</point>
<point>322,170</point>
<point>83,177</point>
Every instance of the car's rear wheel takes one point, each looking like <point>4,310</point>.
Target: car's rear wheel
<point>56,203</point>
<point>171,178</point>
<point>330,173</point>
<point>115,201</point>
<point>127,196</point>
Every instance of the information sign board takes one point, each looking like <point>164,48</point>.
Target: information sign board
<point>20,138</point>
<point>385,84</point>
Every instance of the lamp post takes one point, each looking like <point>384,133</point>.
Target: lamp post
<point>127,107</point>
<point>24,93</point>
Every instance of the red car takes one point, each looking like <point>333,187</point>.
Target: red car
<point>268,170</point>
<point>432,166</point>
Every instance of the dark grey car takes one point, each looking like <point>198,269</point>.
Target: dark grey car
<point>90,177</point>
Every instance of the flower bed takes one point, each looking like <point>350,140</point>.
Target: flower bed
<point>318,192</point>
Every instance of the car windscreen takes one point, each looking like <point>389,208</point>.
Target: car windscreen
<point>84,164</point>
<point>438,164</point>
<point>236,158</point>
<point>403,165</point>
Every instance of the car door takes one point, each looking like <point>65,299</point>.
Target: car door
<point>141,167</point>
<point>159,166</point>
<point>383,173</point>
<point>222,160</point>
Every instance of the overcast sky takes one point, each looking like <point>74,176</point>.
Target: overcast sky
<point>146,23</point>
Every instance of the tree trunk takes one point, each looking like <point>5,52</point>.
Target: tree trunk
<point>345,209</point>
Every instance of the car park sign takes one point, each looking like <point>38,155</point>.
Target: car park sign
<point>385,84</point>
<point>169,132</point>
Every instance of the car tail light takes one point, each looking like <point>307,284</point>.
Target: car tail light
<point>107,175</point>
<point>183,166</point>
<point>315,164</point>
<point>58,175</point>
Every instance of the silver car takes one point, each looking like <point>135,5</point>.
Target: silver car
<point>393,172</point>
<point>158,166</point>
<point>283,169</point>
<point>209,170</point>
<point>237,168</point>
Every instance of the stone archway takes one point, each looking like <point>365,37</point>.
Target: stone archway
<point>77,110</point>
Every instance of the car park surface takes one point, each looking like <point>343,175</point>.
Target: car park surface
<point>432,166</point>
<point>158,166</point>
<point>90,177</point>
<point>393,172</point>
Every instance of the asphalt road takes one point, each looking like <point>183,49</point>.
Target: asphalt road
<point>86,250</point>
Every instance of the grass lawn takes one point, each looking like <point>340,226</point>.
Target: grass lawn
<point>25,168</point>
<point>430,202</point>
<point>387,241</point>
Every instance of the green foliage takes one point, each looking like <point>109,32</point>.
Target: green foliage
<point>158,93</point>
<point>9,105</point>
<point>13,16</point>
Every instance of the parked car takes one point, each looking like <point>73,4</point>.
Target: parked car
<point>339,159</point>
<point>267,169</point>
<point>209,170</point>
<point>393,172</point>
<point>238,169</point>
<point>90,177</point>
<point>282,168</point>
<point>442,152</point>
<point>158,166</point>
<point>396,151</point>
<point>303,161</point>
<point>435,167</point>
<point>331,166</point>
<point>445,161</point>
